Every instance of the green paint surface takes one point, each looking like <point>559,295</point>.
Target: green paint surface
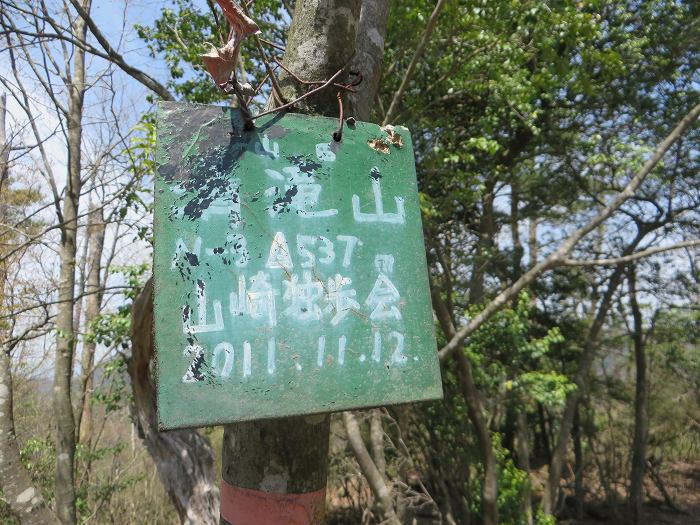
<point>290,272</point>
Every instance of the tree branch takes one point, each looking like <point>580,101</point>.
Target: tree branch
<point>632,257</point>
<point>408,75</point>
<point>116,58</point>
<point>369,469</point>
<point>558,257</point>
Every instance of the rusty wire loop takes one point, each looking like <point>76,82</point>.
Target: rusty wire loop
<point>323,85</point>
<point>346,87</point>
<point>338,133</point>
<point>233,86</point>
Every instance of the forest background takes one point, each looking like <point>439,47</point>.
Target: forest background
<point>558,171</point>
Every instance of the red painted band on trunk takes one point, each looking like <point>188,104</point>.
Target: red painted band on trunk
<point>241,506</point>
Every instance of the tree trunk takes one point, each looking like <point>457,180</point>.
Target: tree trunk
<point>523,443</point>
<point>17,488</point>
<point>65,334</point>
<point>369,56</point>
<point>486,231</point>
<point>184,459</point>
<point>95,241</point>
<point>578,464</point>
<point>475,411</point>
<point>374,476</point>
<point>376,438</point>
<point>276,470</point>
<point>641,408</point>
<point>556,466</point>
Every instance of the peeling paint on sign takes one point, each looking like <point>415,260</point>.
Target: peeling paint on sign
<point>290,272</point>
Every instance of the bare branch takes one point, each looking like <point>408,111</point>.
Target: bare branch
<point>632,257</point>
<point>408,75</point>
<point>369,469</point>
<point>558,257</point>
<point>116,58</point>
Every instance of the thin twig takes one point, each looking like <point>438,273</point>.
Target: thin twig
<point>305,95</point>
<point>414,61</point>
<point>276,90</point>
<point>346,87</point>
<point>257,89</point>
<point>273,44</point>
<point>633,256</point>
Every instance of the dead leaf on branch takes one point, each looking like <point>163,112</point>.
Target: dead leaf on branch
<point>220,62</point>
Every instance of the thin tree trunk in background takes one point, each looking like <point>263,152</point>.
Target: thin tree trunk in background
<point>275,471</point>
<point>641,407</point>
<point>376,438</point>
<point>475,411</point>
<point>472,396</point>
<point>369,469</point>
<point>556,466</point>
<point>95,239</point>
<point>578,464</point>
<point>543,434</point>
<point>65,334</point>
<point>486,230</point>
<point>17,488</point>
<point>184,459</point>
<point>523,455</point>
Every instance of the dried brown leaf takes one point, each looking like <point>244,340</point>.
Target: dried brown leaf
<point>220,62</point>
<point>393,137</point>
<point>379,145</point>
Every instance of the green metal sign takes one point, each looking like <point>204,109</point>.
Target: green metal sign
<point>290,272</point>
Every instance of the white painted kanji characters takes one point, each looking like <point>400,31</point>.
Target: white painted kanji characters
<point>301,193</point>
<point>303,296</point>
<point>379,215</point>
<point>261,299</point>
<point>202,325</point>
<point>229,205</point>
<point>340,298</point>
<point>257,301</point>
<point>182,250</point>
<point>267,148</point>
<point>384,297</point>
<point>324,153</point>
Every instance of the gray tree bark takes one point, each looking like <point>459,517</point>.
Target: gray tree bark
<point>369,56</point>
<point>65,333</point>
<point>95,241</point>
<point>289,457</point>
<point>184,459</point>
<point>641,407</point>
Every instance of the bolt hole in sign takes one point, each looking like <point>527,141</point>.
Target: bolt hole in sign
<point>290,271</point>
